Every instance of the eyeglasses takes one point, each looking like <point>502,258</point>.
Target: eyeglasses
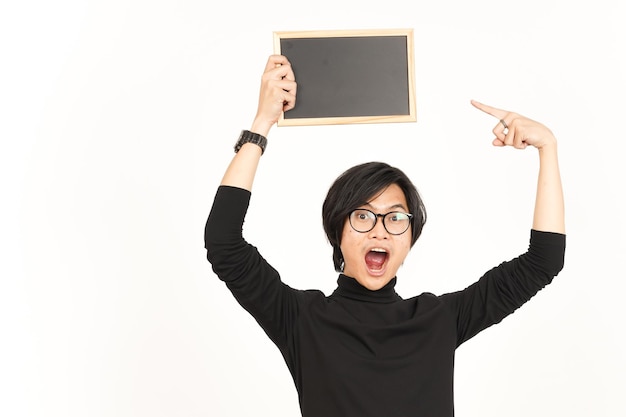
<point>395,222</point>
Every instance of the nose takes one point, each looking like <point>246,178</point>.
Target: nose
<point>379,230</point>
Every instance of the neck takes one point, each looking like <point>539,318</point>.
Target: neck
<point>349,287</point>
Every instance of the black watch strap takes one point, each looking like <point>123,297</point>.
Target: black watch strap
<point>251,137</point>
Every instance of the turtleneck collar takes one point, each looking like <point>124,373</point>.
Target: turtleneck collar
<point>350,288</point>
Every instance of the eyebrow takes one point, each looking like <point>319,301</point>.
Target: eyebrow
<point>391,208</point>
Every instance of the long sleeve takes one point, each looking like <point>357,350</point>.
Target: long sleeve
<point>223,239</point>
<point>250,278</point>
<point>503,289</point>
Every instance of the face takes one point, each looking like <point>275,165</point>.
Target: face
<point>360,264</point>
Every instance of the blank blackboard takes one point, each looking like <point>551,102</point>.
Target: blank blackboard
<point>344,77</point>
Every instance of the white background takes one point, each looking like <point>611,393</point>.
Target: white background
<point>117,120</point>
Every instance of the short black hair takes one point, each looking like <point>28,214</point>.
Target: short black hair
<point>359,185</point>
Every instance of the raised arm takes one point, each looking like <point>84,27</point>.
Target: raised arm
<point>519,131</point>
<point>278,94</point>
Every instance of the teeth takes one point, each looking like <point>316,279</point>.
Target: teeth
<point>379,250</point>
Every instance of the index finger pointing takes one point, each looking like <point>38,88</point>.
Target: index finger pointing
<point>495,112</point>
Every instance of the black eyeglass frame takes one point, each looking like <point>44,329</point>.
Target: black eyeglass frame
<point>384,216</point>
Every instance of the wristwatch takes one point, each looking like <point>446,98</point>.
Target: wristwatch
<point>251,137</point>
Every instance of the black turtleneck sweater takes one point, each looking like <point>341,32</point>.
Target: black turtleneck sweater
<point>368,353</point>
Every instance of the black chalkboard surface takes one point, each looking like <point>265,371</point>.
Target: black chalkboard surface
<point>344,77</point>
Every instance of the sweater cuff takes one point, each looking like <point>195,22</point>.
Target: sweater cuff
<point>227,214</point>
<point>549,247</point>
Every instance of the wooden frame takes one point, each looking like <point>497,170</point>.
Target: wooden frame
<point>350,76</point>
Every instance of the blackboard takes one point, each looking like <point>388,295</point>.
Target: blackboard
<point>350,76</point>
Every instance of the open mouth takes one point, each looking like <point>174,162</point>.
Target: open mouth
<point>375,259</point>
